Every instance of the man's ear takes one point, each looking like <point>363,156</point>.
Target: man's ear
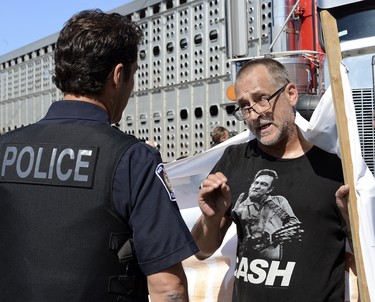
<point>118,75</point>
<point>292,92</point>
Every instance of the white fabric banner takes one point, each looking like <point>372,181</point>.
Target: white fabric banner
<point>212,279</point>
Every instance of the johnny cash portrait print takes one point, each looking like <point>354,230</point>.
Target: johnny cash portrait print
<point>265,222</point>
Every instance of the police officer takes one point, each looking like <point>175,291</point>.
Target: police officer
<point>86,211</point>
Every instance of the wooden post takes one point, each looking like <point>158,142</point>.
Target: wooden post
<point>333,52</point>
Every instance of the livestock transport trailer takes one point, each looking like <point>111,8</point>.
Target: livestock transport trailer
<point>188,60</point>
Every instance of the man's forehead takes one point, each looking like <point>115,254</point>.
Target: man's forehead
<point>252,82</point>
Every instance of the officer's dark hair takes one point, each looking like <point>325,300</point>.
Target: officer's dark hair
<point>88,48</point>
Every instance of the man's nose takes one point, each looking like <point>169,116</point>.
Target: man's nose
<point>254,115</point>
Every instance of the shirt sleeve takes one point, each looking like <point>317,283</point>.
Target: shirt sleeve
<point>144,197</point>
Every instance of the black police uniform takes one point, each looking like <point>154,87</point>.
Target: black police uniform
<point>73,189</point>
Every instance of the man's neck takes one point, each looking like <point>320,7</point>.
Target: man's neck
<point>73,97</point>
<point>292,147</point>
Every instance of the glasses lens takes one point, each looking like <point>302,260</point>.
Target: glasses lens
<point>262,106</point>
<point>238,114</point>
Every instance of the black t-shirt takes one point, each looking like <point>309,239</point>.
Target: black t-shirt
<point>309,266</point>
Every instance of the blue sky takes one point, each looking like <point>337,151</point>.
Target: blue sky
<point>23,22</point>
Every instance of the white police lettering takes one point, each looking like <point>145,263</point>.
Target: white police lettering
<point>81,164</point>
<point>259,271</point>
<point>24,151</point>
<point>37,172</point>
<point>8,161</point>
<point>60,174</point>
<point>28,160</point>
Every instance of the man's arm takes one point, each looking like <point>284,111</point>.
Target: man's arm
<point>209,235</point>
<point>342,203</point>
<point>169,285</point>
<point>214,199</point>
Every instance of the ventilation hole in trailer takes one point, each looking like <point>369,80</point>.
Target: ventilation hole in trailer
<point>170,47</point>
<point>142,14</point>
<point>156,9</point>
<point>142,54</point>
<point>183,44</point>
<point>213,35</point>
<point>183,114</point>
<point>229,109</point>
<point>156,51</point>
<point>198,39</point>
<point>198,112</point>
<point>214,110</point>
<point>169,4</point>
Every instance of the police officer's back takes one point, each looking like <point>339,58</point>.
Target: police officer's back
<point>85,210</point>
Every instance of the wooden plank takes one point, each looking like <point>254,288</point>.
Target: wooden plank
<point>333,52</point>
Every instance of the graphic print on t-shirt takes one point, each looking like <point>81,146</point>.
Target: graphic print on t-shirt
<point>266,221</point>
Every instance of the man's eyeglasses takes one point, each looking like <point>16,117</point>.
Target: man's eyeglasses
<point>262,105</point>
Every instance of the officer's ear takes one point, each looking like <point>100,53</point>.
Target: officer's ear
<point>118,75</point>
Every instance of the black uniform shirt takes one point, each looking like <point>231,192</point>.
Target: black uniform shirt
<point>142,194</point>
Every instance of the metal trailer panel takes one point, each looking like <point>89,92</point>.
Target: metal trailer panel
<point>180,88</point>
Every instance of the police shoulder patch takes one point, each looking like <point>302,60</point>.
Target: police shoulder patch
<point>162,175</point>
